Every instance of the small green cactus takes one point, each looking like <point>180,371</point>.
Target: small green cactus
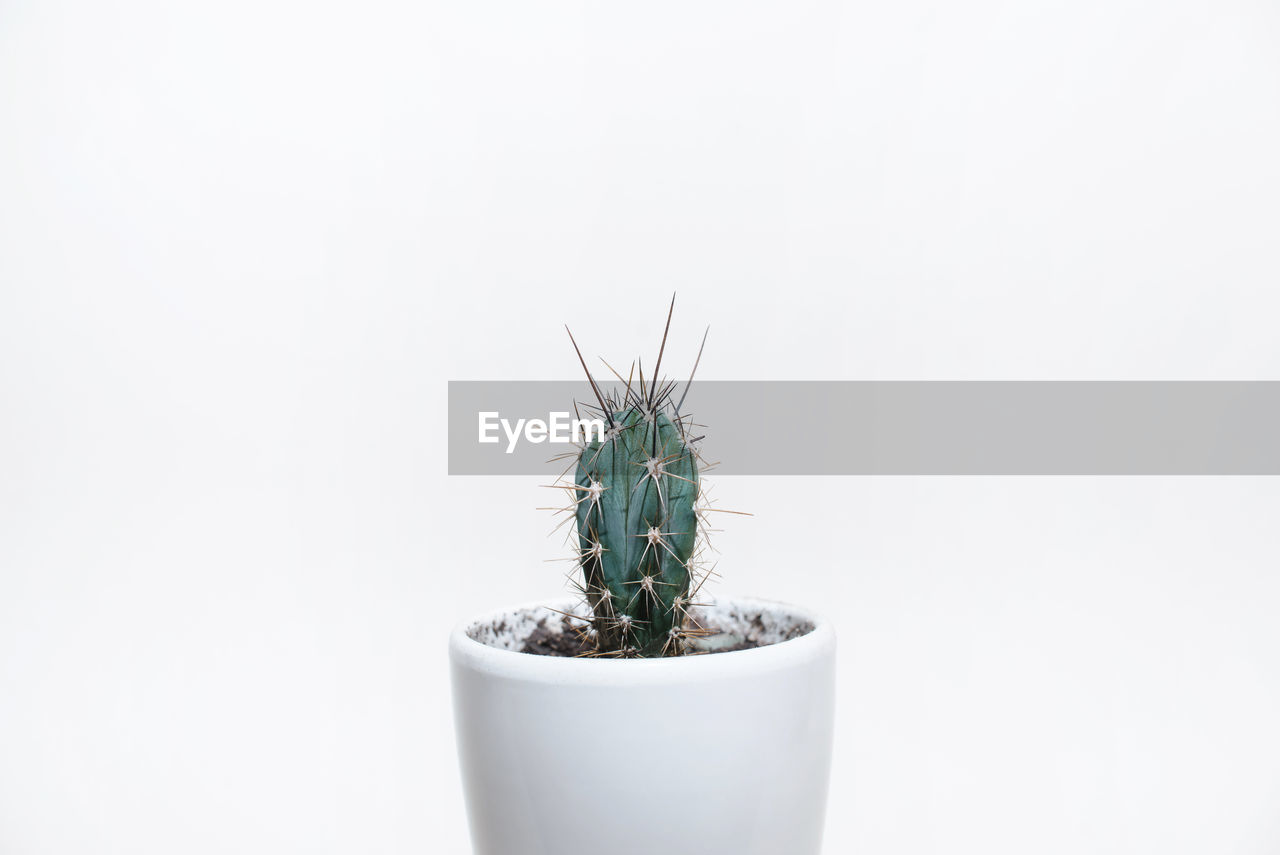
<point>636,503</point>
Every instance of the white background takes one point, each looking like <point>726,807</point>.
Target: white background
<point>243,245</point>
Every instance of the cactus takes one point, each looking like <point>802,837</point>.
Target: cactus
<point>636,504</point>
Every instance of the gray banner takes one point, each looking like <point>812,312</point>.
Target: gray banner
<point>904,428</point>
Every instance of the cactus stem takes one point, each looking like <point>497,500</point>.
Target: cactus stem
<point>630,591</point>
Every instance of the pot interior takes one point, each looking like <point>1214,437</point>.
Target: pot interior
<point>733,625</point>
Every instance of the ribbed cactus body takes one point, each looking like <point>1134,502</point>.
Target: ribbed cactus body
<point>636,491</point>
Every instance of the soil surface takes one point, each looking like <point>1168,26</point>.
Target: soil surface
<point>558,637</point>
<point>555,638</point>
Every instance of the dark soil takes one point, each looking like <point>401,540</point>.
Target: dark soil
<point>555,638</point>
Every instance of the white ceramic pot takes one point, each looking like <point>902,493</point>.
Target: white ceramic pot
<point>716,754</point>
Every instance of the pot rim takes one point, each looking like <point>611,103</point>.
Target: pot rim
<point>467,653</point>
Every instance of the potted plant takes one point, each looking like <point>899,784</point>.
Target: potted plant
<point>638,718</point>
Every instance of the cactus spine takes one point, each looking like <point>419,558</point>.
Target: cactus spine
<point>636,495</point>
